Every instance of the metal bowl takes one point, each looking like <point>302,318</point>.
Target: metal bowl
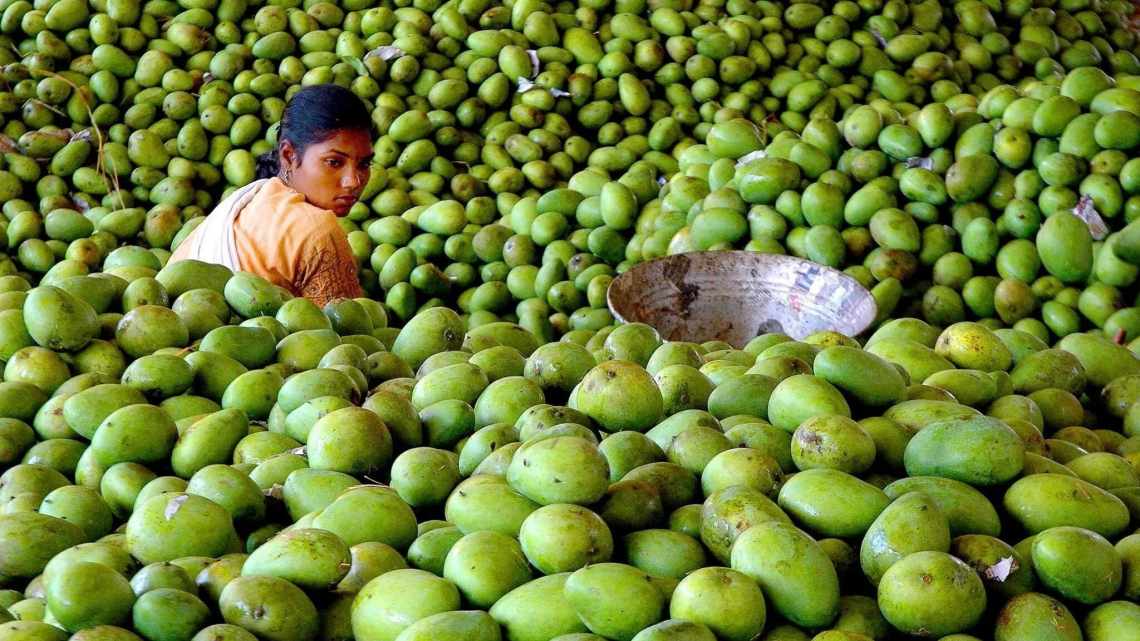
<point>735,296</point>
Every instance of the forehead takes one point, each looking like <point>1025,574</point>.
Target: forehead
<point>352,142</point>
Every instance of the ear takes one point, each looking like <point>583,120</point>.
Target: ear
<point>289,154</point>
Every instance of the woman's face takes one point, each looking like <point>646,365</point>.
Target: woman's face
<point>332,173</point>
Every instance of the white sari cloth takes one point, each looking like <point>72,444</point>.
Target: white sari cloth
<point>215,242</point>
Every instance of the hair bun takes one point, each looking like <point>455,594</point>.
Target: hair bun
<point>267,165</point>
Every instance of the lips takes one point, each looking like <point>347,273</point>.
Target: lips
<point>344,202</point>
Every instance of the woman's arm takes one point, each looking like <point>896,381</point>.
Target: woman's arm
<point>328,271</point>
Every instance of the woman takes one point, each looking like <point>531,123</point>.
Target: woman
<point>283,226</point>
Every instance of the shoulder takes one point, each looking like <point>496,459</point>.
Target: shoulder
<point>291,208</point>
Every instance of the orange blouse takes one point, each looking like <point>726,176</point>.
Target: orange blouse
<point>293,244</point>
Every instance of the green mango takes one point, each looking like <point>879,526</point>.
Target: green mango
<point>399,415</point>
<point>435,330</point>
<point>641,603</point>
<point>213,373</point>
<point>798,398</point>
<point>464,625</point>
<point>351,440</point>
<point>254,393</point>
<point>250,295</point>
<point>158,530</point>
<point>1033,502</point>
<point>832,442</point>
<point>253,347</point>
<point>540,609</point>
<point>808,593</point>
<point>671,629</point>
<point>983,552</point>
<point>159,376</point>
<point>502,333</point>
<point>309,558</point>
<point>304,349</point>
<point>831,502</point>
<point>149,328</point>
<point>207,441</point>
<point>1093,579</point>
<point>1048,368</point>
<point>31,539</point>
<point>485,502</point>
<point>429,550</point>
<point>85,594</point>
<point>1102,360</point>
<point>86,410</point>
<point>181,276</point>
<point>967,510</point>
<point>57,320</point>
<point>728,602</point>
<point>284,612</point>
<point>931,593</point>
<point>979,451</point>
<point>136,434</point>
<point>912,523</point>
<point>1112,620</point>
<point>973,346</point>
<point>388,519</point>
<point>392,602</point>
<point>559,470</point>
<point>870,379</point>
<point>307,492</point>
<point>620,384</point>
<point>919,360</point>
<point>1065,246</point>
<point>169,613</point>
<point>502,567</point>
<point>306,386</point>
<point>1037,616</point>
<point>462,381</point>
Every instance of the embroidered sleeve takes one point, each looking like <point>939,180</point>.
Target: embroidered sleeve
<point>328,271</point>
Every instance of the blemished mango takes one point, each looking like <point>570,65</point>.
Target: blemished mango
<point>911,594</point>
<point>286,613</point>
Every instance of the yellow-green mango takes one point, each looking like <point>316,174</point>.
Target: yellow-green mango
<point>1042,501</point>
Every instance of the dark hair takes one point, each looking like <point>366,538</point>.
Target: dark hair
<point>313,115</point>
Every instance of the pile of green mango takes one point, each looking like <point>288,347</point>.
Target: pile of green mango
<point>986,224</point>
<point>198,456</point>
<point>475,451</point>
<point>528,152</point>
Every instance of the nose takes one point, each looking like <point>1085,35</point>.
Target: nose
<point>353,178</point>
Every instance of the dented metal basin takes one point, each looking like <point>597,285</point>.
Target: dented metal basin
<point>736,295</point>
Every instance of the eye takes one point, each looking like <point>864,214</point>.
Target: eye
<point>334,162</point>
